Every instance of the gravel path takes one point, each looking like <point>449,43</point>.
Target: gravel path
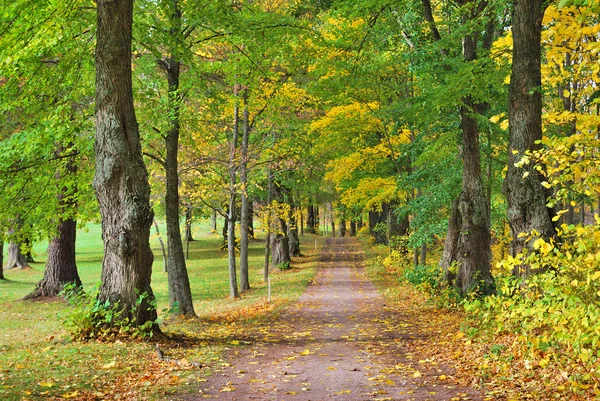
<point>340,342</point>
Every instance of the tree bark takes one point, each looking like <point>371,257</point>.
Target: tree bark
<point>16,258</point>
<point>189,214</point>
<point>231,216</point>
<point>342,227</point>
<point>352,228</point>
<point>292,232</point>
<point>526,198</point>
<point>1,258</point>
<point>213,221</point>
<point>180,293</point>
<point>121,178</point>
<point>473,251</point>
<point>280,245</point>
<point>311,220</point>
<point>245,206</point>
<point>61,267</point>
<point>450,243</point>
<point>162,247</point>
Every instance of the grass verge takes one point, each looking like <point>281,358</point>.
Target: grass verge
<point>38,361</point>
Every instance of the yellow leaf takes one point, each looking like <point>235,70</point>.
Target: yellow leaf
<point>27,392</point>
<point>70,395</point>
<point>417,374</point>
<point>343,392</point>
<point>331,368</point>
<point>443,377</point>
<point>46,384</point>
<point>227,389</point>
<point>234,342</point>
<point>109,365</point>
<point>292,392</point>
<point>305,352</point>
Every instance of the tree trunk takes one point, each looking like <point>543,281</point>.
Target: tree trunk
<point>60,268</point>
<point>311,220</point>
<point>231,216</point>
<point>16,258</point>
<point>251,234</point>
<point>450,243</point>
<point>268,237</point>
<point>330,209</point>
<point>342,227</point>
<point>162,247</point>
<point>225,230</point>
<point>526,198</point>
<point>1,258</point>
<point>352,228</point>
<point>213,221</point>
<point>245,204</point>
<point>189,214</point>
<point>180,293</point>
<point>121,179</point>
<point>473,248</point>
<point>280,246</point>
<point>423,253</point>
<point>378,225</point>
<point>292,232</point>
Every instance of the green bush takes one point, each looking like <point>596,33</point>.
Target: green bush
<point>91,318</point>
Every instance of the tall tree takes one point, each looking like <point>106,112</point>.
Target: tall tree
<point>121,179</point>
<point>245,208</point>
<point>180,294</point>
<point>527,211</point>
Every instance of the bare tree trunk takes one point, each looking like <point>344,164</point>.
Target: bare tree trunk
<point>213,220</point>
<point>231,216</point>
<point>527,210</point>
<point>1,258</point>
<point>180,293</point>
<point>450,243</point>
<point>352,228</point>
<point>61,268</point>
<point>121,179</point>
<point>473,249</point>
<point>342,227</point>
<point>292,232</point>
<point>310,219</point>
<point>162,246</point>
<point>268,226</point>
<point>330,210</point>
<point>16,258</point>
<point>245,212</point>
<point>189,214</point>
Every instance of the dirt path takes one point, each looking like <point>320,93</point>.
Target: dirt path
<point>340,341</point>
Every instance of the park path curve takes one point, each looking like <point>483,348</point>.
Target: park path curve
<point>340,341</point>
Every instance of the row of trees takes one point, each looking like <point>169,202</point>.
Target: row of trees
<point>395,110</point>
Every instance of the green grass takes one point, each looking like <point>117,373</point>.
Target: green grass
<point>39,361</point>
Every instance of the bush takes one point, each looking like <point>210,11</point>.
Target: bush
<point>283,266</point>
<point>92,319</point>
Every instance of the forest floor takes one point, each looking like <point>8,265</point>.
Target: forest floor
<point>342,340</point>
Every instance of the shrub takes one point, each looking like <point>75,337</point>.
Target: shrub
<point>90,318</point>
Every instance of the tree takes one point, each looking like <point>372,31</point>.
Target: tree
<point>180,294</point>
<point>121,179</point>
<point>61,267</point>
<point>527,211</point>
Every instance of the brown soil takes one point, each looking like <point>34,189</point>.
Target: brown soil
<point>340,342</point>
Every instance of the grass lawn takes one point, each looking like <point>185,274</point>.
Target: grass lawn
<point>39,361</point>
